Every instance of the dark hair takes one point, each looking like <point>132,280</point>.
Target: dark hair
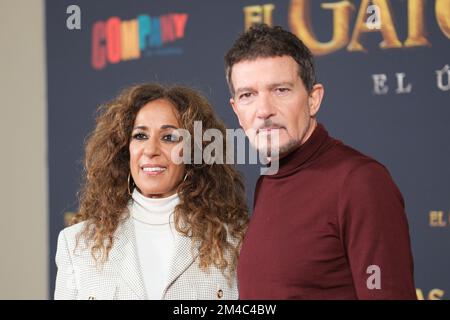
<point>262,41</point>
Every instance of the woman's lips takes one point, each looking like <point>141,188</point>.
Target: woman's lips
<point>153,170</point>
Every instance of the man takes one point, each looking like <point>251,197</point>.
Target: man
<point>330,224</point>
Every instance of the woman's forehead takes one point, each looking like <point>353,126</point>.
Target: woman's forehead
<point>156,113</point>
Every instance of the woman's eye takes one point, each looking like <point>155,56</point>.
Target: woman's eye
<point>139,136</point>
<point>171,138</point>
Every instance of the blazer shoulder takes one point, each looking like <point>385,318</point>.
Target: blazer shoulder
<point>74,229</point>
<point>68,236</point>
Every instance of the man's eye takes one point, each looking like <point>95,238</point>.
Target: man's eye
<point>282,90</point>
<point>245,95</point>
<point>139,136</point>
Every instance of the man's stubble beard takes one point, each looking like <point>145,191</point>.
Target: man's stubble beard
<point>284,150</point>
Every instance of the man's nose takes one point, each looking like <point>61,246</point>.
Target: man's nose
<point>266,107</point>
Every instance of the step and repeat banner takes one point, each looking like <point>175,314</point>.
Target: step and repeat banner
<point>385,66</point>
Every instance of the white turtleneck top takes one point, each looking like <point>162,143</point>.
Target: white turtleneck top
<point>155,238</point>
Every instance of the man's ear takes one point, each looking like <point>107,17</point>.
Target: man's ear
<point>233,105</point>
<point>315,99</point>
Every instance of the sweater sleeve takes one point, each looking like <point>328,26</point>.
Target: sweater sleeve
<point>375,235</point>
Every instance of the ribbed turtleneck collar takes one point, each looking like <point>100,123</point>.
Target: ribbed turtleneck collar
<point>304,154</point>
<point>153,210</point>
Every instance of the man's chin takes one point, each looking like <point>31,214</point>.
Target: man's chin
<point>278,151</point>
<point>288,148</point>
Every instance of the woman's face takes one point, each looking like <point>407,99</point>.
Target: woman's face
<point>152,139</point>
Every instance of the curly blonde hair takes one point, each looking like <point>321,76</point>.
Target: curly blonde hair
<point>212,209</point>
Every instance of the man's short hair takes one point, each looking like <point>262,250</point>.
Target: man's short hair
<point>262,41</point>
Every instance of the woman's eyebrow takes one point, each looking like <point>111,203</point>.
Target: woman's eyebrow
<point>164,126</point>
<point>140,128</point>
<point>168,126</point>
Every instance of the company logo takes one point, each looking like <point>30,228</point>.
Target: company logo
<point>116,40</point>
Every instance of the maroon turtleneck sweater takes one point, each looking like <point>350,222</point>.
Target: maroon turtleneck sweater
<point>329,225</point>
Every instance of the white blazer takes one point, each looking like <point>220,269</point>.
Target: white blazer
<point>120,277</point>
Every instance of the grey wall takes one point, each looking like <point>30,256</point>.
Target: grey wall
<point>23,166</point>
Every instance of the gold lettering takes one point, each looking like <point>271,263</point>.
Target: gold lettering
<point>268,10</point>
<point>436,294</point>
<point>437,219</point>
<point>390,38</point>
<point>130,40</point>
<point>68,218</point>
<point>258,14</point>
<point>443,16</point>
<point>416,26</point>
<point>300,24</point>
<point>419,294</point>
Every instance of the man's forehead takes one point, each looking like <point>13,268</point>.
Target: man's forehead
<point>266,80</point>
<point>264,67</point>
<point>278,60</point>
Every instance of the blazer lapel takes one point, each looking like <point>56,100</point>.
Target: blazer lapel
<point>183,257</point>
<point>124,258</point>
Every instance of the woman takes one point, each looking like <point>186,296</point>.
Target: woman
<point>148,226</point>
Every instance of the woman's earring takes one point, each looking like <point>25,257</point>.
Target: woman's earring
<point>129,178</point>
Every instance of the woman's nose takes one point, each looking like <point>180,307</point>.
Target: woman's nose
<point>152,147</point>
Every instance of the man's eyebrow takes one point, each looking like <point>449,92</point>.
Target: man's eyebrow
<point>281,84</point>
<point>271,86</point>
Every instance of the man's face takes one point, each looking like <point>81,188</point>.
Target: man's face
<point>270,98</point>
